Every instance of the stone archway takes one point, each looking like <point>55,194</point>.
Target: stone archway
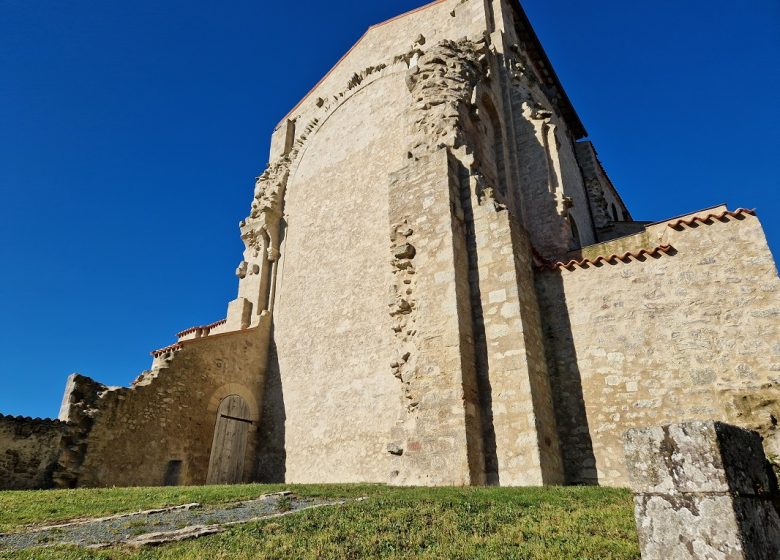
<point>228,448</point>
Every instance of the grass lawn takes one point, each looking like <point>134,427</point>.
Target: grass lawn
<point>446,523</point>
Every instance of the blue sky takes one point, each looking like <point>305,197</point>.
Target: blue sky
<point>131,133</point>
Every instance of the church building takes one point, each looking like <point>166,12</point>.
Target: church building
<point>440,286</point>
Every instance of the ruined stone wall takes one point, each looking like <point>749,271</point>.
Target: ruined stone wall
<point>686,330</point>
<point>80,403</point>
<point>170,413</point>
<point>387,326</point>
<point>334,413</point>
<point>29,449</point>
<point>437,438</point>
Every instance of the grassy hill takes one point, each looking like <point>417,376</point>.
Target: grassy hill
<point>393,523</point>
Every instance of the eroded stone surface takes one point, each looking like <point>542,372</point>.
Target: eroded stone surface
<point>703,490</point>
<point>697,457</point>
<point>400,316</point>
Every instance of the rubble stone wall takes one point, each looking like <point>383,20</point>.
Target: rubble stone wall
<point>29,449</point>
<point>171,413</point>
<point>689,333</point>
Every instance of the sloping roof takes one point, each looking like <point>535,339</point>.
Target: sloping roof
<point>204,328</point>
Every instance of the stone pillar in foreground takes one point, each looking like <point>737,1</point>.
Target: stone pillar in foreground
<point>703,490</point>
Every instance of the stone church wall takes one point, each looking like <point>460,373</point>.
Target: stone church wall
<point>548,188</point>
<point>331,348</point>
<point>29,449</point>
<point>331,326</point>
<point>687,331</point>
<point>438,438</point>
<point>398,318</point>
<point>516,390</point>
<point>332,330</point>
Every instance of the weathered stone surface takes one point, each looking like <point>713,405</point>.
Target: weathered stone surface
<point>697,457</point>
<point>703,490</point>
<point>138,432</point>
<point>422,298</point>
<point>29,451</point>
<point>686,335</point>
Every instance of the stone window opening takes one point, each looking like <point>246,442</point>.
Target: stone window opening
<point>615,216</point>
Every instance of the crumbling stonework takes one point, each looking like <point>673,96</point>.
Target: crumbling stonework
<point>29,450</point>
<point>80,404</point>
<point>139,433</point>
<point>441,285</point>
<point>703,490</point>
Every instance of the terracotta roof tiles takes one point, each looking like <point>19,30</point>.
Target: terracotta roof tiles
<point>708,219</point>
<point>204,327</point>
<point>611,259</point>
<point>12,418</point>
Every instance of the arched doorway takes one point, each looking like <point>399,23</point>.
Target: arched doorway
<point>228,448</point>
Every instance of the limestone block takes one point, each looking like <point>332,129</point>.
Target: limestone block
<point>696,457</point>
<point>702,490</point>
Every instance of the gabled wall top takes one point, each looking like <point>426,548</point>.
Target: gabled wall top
<point>435,25</point>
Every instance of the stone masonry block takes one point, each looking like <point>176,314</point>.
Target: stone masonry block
<point>701,456</point>
<point>703,490</point>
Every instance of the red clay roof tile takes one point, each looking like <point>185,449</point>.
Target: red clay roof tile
<point>723,216</point>
<point>611,259</point>
<point>204,327</point>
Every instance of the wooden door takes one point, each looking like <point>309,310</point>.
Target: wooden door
<point>228,449</point>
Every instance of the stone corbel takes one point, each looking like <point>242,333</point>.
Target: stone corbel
<point>564,204</point>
